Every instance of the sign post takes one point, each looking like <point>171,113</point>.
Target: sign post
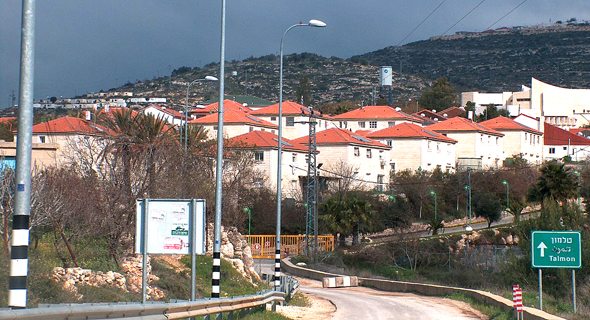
<point>556,249</point>
<point>517,301</point>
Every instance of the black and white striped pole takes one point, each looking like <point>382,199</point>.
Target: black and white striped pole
<point>216,276</point>
<point>19,263</point>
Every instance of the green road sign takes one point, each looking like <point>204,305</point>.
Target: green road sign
<point>556,249</point>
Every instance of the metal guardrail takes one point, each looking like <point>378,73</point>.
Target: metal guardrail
<point>149,311</point>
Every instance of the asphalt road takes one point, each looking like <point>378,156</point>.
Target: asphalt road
<point>365,303</point>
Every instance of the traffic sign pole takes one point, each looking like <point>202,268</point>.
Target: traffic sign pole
<point>540,289</point>
<point>574,291</point>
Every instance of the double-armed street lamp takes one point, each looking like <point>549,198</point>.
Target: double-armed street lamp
<point>312,23</point>
<point>504,182</point>
<point>432,192</point>
<point>207,78</point>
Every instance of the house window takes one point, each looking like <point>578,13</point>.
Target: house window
<point>380,186</point>
<point>42,139</point>
<point>259,155</point>
<point>391,123</point>
<point>294,157</point>
<point>380,154</point>
<point>373,124</point>
<point>251,129</point>
<point>481,138</point>
<point>361,124</point>
<point>369,153</point>
<point>215,128</point>
<point>564,148</point>
<point>389,143</point>
<point>294,184</point>
<point>273,118</point>
<point>357,151</point>
<point>290,121</point>
<point>392,165</point>
<point>551,150</point>
<point>497,140</point>
<point>525,136</point>
<point>429,144</point>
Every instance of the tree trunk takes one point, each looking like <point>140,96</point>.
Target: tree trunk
<point>342,240</point>
<point>66,242</point>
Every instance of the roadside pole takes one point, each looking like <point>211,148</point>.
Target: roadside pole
<point>19,251</point>
<point>540,289</point>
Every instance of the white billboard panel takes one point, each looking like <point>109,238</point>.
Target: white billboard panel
<point>169,226</point>
<point>385,76</point>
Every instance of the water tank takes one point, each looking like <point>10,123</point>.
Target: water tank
<point>385,78</point>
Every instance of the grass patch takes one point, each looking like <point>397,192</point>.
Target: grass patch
<point>299,300</point>
<point>493,312</point>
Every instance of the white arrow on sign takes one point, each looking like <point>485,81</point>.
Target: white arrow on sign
<point>542,246</point>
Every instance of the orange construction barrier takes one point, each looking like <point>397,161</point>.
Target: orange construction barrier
<point>264,247</point>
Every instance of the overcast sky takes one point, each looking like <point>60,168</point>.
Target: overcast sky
<point>86,46</point>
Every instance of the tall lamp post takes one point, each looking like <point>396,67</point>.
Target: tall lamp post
<point>432,192</point>
<point>507,195</point>
<point>277,276</point>
<point>247,210</point>
<point>468,188</point>
<point>579,185</point>
<point>207,78</point>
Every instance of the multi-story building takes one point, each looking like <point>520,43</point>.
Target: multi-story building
<point>559,143</point>
<point>295,118</point>
<point>344,155</point>
<point>414,147</point>
<point>373,118</point>
<point>477,146</point>
<point>518,139</point>
<point>264,148</point>
<point>235,123</point>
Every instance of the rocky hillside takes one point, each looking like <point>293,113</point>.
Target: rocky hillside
<point>331,80</point>
<point>497,60</point>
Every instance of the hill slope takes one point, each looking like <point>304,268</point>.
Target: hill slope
<point>497,61</point>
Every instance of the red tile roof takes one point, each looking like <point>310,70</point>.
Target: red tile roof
<point>461,124</point>
<point>559,137</point>
<point>502,123</point>
<point>234,117</point>
<point>341,136</point>
<point>263,139</point>
<point>452,112</point>
<point>214,107</point>
<point>69,124</point>
<point>289,108</point>
<point>409,130</point>
<point>429,115</point>
<point>376,112</point>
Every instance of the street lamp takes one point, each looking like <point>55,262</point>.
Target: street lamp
<point>507,195</point>
<point>312,23</point>
<point>469,228</point>
<point>247,209</point>
<point>207,78</point>
<point>579,185</point>
<point>432,192</point>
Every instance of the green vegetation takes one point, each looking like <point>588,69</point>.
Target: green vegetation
<point>493,312</point>
<point>439,97</point>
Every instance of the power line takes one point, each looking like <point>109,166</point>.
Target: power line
<point>504,16</point>
<point>418,26</point>
<point>456,23</point>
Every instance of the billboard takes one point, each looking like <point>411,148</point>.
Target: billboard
<point>170,224</point>
<point>385,77</point>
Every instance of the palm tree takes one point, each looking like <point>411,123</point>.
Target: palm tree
<point>359,214</point>
<point>556,183</point>
<point>334,218</point>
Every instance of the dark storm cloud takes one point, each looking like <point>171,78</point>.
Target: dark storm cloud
<point>85,46</point>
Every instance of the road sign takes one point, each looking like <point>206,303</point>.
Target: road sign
<point>556,249</point>
<point>257,246</point>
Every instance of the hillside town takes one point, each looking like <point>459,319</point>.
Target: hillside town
<point>543,122</point>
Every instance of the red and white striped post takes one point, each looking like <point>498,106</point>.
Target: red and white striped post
<point>517,301</point>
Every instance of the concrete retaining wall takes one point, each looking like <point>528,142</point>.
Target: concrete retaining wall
<point>424,289</point>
